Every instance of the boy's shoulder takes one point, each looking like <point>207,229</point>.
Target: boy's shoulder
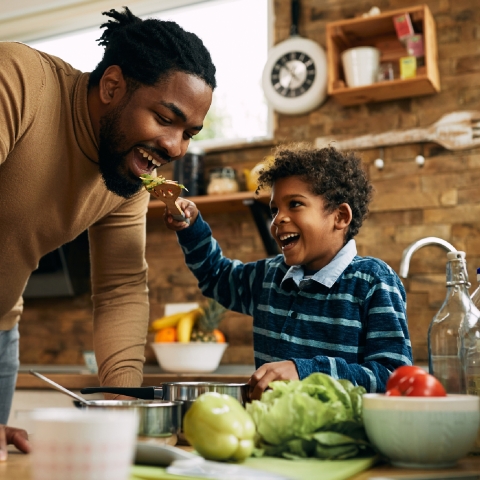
<point>372,266</point>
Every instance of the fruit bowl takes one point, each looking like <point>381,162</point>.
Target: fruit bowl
<point>189,357</point>
<point>422,432</point>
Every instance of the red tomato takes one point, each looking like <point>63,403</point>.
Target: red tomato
<point>393,392</point>
<point>414,382</point>
<point>401,372</point>
<point>421,386</point>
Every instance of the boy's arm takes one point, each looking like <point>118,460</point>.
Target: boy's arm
<point>387,342</point>
<point>230,282</point>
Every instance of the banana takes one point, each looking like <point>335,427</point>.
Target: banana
<point>168,321</point>
<point>185,325</point>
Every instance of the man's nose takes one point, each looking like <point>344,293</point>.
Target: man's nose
<point>173,145</point>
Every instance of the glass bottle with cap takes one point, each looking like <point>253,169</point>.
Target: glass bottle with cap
<point>447,348</point>
<point>472,347</point>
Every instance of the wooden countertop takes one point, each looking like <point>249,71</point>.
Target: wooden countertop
<point>18,467</point>
<point>77,381</point>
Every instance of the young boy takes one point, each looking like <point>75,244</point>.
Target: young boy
<point>318,307</point>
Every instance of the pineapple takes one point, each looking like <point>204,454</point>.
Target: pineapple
<point>206,326</point>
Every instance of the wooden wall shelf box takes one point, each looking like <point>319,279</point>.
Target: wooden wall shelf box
<point>379,31</point>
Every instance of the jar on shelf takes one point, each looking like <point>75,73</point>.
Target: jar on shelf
<point>222,180</point>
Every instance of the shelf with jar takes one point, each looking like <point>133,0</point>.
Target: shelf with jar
<point>381,33</point>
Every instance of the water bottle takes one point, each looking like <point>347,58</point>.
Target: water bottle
<point>448,348</point>
<point>471,340</point>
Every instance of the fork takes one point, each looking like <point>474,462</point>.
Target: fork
<point>168,192</point>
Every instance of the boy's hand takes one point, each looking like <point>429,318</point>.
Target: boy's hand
<point>189,210</point>
<point>269,372</point>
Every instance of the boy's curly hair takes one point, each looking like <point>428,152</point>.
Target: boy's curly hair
<point>337,176</point>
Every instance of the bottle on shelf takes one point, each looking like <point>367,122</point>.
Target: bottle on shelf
<point>449,343</point>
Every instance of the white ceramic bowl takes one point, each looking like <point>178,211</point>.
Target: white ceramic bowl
<point>189,357</point>
<point>422,432</point>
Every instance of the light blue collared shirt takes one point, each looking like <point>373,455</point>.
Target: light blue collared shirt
<point>329,274</point>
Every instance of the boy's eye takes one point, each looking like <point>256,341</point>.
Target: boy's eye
<point>295,203</point>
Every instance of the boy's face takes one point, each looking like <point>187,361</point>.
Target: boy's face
<point>307,234</point>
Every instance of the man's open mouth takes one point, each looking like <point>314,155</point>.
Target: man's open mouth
<point>151,159</point>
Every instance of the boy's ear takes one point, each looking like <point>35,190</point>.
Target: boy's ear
<point>343,216</point>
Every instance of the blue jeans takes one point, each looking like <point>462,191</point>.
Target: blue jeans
<point>9,363</point>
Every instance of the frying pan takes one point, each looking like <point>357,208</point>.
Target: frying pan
<point>160,421</point>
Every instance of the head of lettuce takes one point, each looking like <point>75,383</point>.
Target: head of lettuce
<point>314,417</point>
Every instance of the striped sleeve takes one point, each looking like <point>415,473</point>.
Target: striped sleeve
<point>229,282</point>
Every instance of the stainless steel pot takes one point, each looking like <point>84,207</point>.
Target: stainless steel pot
<point>185,392</point>
<point>159,421</point>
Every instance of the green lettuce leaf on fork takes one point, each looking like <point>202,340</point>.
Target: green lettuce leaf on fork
<point>318,416</point>
<point>150,182</point>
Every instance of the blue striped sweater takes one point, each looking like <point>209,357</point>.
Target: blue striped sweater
<point>348,320</point>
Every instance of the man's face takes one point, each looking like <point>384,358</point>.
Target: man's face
<point>150,127</point>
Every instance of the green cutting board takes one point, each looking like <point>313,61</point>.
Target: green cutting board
<point>308,469</point>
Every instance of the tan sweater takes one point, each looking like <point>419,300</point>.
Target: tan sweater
<point>51,191</point>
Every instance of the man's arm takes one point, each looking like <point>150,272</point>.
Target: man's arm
<point>120,293</point>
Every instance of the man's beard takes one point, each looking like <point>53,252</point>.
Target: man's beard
<point>111,161</point>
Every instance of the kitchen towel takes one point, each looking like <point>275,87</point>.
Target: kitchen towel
<point>307,469</point>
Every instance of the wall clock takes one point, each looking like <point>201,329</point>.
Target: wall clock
<point>295,75</point>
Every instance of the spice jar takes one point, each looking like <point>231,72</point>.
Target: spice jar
<point>222,180</point>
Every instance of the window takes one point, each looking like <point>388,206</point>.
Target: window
<point>236,34</point>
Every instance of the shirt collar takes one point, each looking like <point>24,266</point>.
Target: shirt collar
<point>329,274</point>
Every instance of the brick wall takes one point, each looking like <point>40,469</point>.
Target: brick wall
<point>411,202</point>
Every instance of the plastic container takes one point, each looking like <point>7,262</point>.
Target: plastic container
<point>222,181</point>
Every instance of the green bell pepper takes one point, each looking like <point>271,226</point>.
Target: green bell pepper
<point>219,428</point>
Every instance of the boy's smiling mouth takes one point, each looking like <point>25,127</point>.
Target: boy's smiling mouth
<point>288,240</point>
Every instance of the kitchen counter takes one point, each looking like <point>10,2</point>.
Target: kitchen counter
<point>77,377</point>
<point>18,467</point>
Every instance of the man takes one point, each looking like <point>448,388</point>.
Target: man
<point>72,148</point>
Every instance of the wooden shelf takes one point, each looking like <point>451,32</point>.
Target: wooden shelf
<point>379,31</point>
<point>234,202</point>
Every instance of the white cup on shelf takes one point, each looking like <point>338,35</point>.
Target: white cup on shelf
<point>83,444</point>
<point>360,65</point>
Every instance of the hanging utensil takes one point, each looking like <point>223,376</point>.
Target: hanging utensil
<point>168,193</point>
<point>454,131</point>
<point>60,388</point>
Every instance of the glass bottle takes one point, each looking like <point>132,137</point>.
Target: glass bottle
<point>447,350</point>
<point>471,335</point>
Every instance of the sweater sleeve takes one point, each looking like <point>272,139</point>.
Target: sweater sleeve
<point>230,282</point>
<point>19,65</point>
<point>120,293</point>
<point>387,341</point>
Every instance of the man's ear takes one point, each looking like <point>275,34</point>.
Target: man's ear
<point>112,86</point>
<point>343,216</point>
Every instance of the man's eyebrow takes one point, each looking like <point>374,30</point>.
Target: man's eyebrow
<point>174,109</point>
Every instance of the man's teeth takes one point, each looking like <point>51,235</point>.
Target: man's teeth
<point>287,235</point>
<point>149,157</point>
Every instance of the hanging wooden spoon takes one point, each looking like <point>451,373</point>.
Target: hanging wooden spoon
<point>168,192</point>
<point>454,131</point>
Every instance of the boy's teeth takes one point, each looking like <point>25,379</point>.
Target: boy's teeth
<point>288,235</point>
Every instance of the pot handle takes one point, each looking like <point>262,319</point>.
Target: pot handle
<point>145,393</point>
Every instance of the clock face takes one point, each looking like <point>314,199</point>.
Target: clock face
<point>293,74</point>
<point>294,78</point>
